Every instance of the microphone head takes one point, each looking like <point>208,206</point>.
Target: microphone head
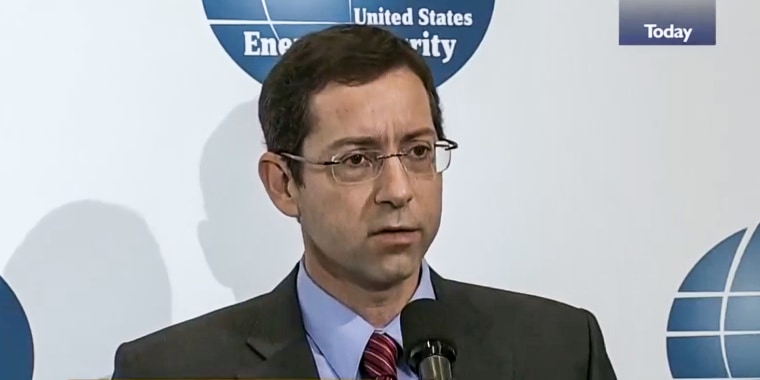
<point>426,331</point>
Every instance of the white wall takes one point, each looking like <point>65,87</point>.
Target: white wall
<point>596,174</point>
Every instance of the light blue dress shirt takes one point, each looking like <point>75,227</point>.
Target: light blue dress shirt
<point>337,336</point>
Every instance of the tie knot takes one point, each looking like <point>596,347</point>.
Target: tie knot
<point>380,356</point>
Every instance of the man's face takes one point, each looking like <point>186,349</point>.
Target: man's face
<point>343,224</point>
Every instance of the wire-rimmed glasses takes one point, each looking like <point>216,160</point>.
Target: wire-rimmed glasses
<point>422,159</point>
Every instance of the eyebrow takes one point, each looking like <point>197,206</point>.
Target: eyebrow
<point>369,141</point>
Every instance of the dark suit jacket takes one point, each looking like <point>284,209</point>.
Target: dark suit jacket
<point>499,335</point>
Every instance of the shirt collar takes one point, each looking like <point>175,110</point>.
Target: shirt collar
<point>339,333</point>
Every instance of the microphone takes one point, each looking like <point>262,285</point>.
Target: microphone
<point>429,349</point>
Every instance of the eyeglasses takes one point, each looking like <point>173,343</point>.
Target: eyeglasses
<point>421,160</point>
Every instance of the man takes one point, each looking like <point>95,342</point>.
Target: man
<point>356,149</point>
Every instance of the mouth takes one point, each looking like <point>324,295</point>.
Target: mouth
<point>396,236</point>
<point>395,230</point>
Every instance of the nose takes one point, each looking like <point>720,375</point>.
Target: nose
<point>394,186</point>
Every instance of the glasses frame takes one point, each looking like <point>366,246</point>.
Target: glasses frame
<point>446,144</point>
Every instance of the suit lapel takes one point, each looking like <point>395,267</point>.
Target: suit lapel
<point>278,338</point>
<point>479,356</point>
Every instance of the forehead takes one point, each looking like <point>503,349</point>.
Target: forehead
<point>387,110</point>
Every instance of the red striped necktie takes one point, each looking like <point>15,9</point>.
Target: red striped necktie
<point>380,357</point>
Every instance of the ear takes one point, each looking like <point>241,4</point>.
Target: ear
<point>278,183</point>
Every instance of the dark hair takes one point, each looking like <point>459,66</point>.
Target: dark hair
<point>348,54</point>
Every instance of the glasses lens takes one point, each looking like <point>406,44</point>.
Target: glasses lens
<point>442,158</point>
<point>360,167</point>
<point>355,167</point>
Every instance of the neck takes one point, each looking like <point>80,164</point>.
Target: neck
<point>378,306</point>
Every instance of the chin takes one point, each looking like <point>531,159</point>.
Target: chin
<point>387,272</point>
<point>384,281</point>
<point>400,266</point>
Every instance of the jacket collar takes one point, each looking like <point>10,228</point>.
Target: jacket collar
<point>278,336</point>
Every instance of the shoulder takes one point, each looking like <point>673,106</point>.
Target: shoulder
<point>528,313</point>
<point>540,329</point>
<point>485,296</point>
<point>205,341</point>
<point>208,346</point>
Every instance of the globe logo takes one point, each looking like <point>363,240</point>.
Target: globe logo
<point>255,33</point>
<point>16,347</point>
<point>714,324</point>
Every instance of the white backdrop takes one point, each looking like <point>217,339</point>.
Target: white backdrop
<point>588,172</point>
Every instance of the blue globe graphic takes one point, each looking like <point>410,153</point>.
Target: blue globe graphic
<point>714,324</point>
<point>255,33</point>
<point>16,347</point>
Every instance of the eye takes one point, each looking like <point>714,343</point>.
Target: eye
<point>420,151</point>
<point>355,159</point>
